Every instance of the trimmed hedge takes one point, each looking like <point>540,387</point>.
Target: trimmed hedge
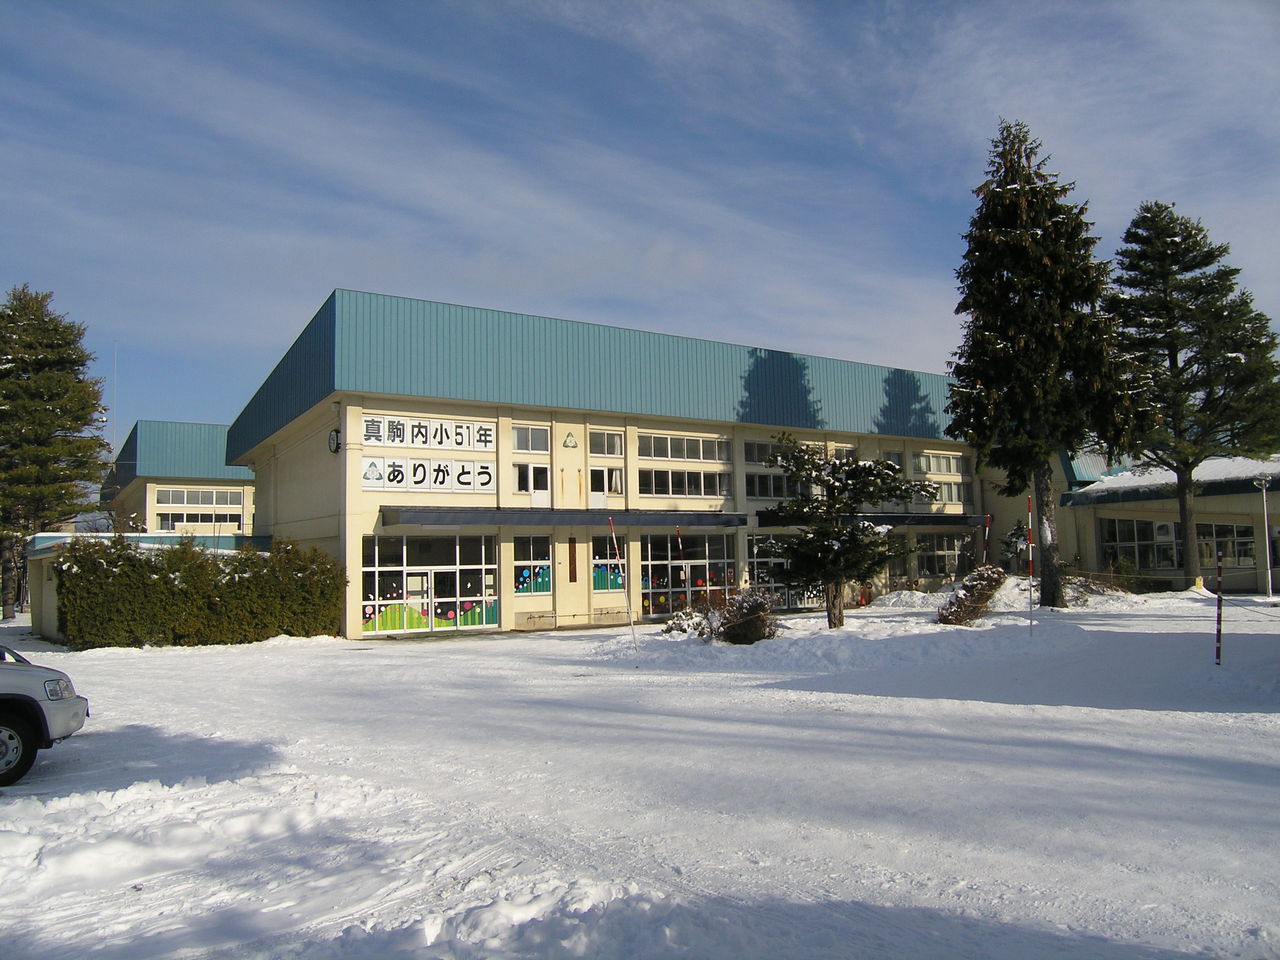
<point>112,593</point>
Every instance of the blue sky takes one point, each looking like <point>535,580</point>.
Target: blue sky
<point>191,179</point>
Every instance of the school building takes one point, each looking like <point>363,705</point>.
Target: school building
<point>174,477</point>
<point>467,464</point>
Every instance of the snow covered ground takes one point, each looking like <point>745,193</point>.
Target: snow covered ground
<point>1093,787</point>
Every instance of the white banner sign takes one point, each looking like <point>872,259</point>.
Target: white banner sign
<point>444,476</point>
<point>385,431</point>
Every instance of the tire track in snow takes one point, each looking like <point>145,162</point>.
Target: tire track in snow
<point>199,867</point>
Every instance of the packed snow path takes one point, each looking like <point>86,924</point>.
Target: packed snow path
<point>1095,788</point>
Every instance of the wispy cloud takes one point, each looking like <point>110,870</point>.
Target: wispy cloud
<point>793,175</point>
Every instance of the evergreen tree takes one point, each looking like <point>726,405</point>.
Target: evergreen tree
<point>1037,371</point>
<point>837,545</point>
<point>1207,354</point>
<point>50,447</point>
<point>1012,546</point>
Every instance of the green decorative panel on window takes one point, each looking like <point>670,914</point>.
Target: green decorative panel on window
<point>607,565</point>
<point>533,565</point>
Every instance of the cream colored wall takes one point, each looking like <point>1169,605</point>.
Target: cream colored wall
<point>1004,511</point>
<point>308,494</point>
<point>42,591</point>
<point>298,482</point>
<point>1241,509</point>
<point>138,500</point>
<point>569,460</point>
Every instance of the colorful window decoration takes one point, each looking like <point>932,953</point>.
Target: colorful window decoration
<point>533,565</point>
<point>679,571</point>
<point>607,564</point>
<point>416,584</point>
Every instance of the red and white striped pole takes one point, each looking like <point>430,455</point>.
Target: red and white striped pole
<point>1031,570</point>
<point>1217,653</point>
<point>1031,556</point>
<point>626,587</point>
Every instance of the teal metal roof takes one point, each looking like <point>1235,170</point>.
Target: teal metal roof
<point>377,344</point>
<point>1089,466</point>
<point>166,448</point>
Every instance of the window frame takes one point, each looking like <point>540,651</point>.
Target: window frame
<point>526,444</point>
<point>526,475</point>
<point>539,554</point>
<point>607,475</point>
<point>607,438</point>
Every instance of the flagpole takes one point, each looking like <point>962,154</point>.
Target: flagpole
<point>1031,572</point>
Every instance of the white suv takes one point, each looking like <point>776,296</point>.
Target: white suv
<point>38,707</point>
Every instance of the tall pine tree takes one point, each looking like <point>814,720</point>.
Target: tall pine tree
<point>50,445</point>
<point>1037,370</point>
<point>1207,354</point>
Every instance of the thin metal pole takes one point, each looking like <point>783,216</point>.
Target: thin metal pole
<point>1031,555</point>
<point>1217,656</point>
<point>115,392</point>
<point>1266,535</point>
<point>1031,573</point>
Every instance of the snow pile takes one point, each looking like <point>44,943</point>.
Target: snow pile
<point>586,919</point>
<point>909,600</point>
<point>1015,594</point>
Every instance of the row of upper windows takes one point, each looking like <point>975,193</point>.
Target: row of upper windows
<point>660,446</point>
<point>170,521</point>
<point>536,478</point>
<point>200,498</point>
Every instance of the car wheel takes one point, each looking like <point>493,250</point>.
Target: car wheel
<point>17,749</point>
